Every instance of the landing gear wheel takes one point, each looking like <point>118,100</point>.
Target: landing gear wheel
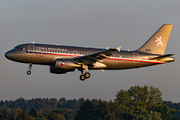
<point>28,72</point>
<point>87,75</point>
<point>82,77</point>
<point>30,67</point>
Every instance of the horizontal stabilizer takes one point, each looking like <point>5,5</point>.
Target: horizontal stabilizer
<point>161,57</point>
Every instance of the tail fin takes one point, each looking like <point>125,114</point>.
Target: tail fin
<point>158,42</point>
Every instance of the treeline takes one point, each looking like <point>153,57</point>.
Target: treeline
<point>136,103</point>
<point>40,109</point>
<point>172,105</point>
<point>39,103</point>
<point>45,114</point>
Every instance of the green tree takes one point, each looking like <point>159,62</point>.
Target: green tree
<point>85,111</point>
<point>70,114</point>
<point>137,97</point>
<point>60,111</point>
<point>4,114</point>
<point>174,114</point>
<point>33,113</point>
<point>24,116</point>
<point>55,116</point>
<point>53,103</point>
<point>145,102</point>
<point>147,115</point>
<point>15,113</point>
<point>46,112</point>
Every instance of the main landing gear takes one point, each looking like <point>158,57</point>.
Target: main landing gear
<point>86,75</point>
<point>30,67</point>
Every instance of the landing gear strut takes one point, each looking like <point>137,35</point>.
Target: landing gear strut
<point>30,67</point>
<point>86,75</point>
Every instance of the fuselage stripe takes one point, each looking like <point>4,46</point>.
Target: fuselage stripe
<point>111,58</point>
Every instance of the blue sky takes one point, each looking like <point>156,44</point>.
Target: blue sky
<point>92,23</point>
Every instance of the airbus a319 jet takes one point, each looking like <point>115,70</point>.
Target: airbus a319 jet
<point>63,59</point>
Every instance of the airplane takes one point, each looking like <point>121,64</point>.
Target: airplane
<point>62,59</point>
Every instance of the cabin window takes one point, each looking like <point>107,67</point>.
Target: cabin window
<point>17,48</point>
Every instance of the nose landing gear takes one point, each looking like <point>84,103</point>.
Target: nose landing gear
<point>30,67</point>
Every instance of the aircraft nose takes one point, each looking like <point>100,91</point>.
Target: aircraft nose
<point>8,55</point>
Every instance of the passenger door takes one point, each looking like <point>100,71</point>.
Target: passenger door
<point>135,58</point>
<point>31,50</point>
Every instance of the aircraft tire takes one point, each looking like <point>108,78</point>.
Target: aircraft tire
<point>28,72</point>
<point>87,75</point>
<point>82,77</point>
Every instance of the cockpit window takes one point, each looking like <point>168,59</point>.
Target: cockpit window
<point>17,48</point>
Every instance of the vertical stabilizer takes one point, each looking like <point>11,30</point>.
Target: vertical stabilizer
<point>158,42</point>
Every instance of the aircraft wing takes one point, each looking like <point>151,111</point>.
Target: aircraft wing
<point>161,57</point>
<point>94,57</point>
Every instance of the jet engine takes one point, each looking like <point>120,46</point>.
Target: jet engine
<point>65,64</point>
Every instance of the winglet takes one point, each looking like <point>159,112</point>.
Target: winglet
<point>118,48</point>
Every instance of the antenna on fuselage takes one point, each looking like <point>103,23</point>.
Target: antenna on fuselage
<point>33,42</point>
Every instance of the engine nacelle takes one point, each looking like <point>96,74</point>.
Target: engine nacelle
<point>57,71</point>
<point>68,65</point>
